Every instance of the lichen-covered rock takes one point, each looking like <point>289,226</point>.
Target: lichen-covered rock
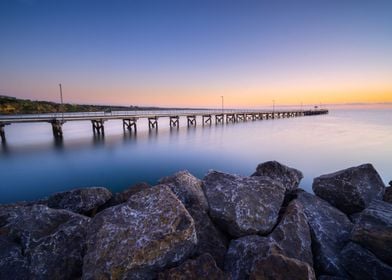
<point>124,195</point>
<point>373,230</point>
<point>243,205</point>
<point>13,265</point>
<point>188,189</point>
<point>293,234</point>
<point>280,267</point>
<point>52,240</point>
<point>203,267</point>
<point>330,231</point>
<point>388,194</point>
<point>136,239</point>
<point>361,264</point>
<point>209,238</point>
<point>350,190</point>
<point>289,177</point>
<point>83,201</point>
<point>244,252</point>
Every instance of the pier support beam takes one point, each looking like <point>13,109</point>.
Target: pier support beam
<point>240,117</point>
<point>57,128</point>
<point>191,120</point>
<point>230,118</point>
<point>153,122</point>
<point>219,119</point>
<point>174,121</point>
<point>2,132</point>
<point>206,119</point>
<point>130,124</point>
<point>98,127</point>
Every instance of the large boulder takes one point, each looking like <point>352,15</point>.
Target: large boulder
<point>361,264</point>
<point>244,252</point>
<point>13,264</point>
<point>330,231</point>
<point>373,230</point>
<point>289,177</point>
<point>136,239</point>
<point>350,190</point>
<point>123,196</point>
<point>188,189</point>
<point>209,238</point>
<point>280,267</point>
<point>52,241</point>
<point>388,194</point>
<point>243,205</point>
<point>203,267</point>
<point>83,201</point>
<point>293,234</point>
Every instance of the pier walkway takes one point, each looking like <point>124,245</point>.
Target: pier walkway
<point>129,118</point>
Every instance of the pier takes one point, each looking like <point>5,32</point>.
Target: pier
<point>129,118</point>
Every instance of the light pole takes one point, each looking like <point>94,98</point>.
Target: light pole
<point>273,108</point>
<point>222,102</point>
<point>61,98</point>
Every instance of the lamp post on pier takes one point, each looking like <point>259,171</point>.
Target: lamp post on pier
<point>273,108</point>
<point>222,103</point>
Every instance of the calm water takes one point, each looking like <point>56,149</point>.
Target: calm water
<point>32,165</point>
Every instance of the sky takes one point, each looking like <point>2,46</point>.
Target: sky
<point>189,53</point>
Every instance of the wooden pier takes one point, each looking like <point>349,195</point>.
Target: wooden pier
<point>129,119</point>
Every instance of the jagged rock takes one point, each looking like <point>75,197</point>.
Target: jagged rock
<point>83,201</point>
<point>209,238</point>
<point>293,234</point>
<point>373,230</point>
<point>244,252</point>
<point>289,177</point>
<point>280,267</point>
<point>52,241</point>
<point>188,189</point>
<point>350,190</point>
<point>388,194</point>
<point>243,205</point>
<point>13,265</point>
<point>362,264</point>
<point>330,230</point>
<point>123,196</point>
<point>136,239</point>
<point>203,267</point>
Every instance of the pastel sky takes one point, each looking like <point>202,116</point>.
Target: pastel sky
<point>189,53</point>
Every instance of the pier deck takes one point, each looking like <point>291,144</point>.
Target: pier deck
<point>130,118</point>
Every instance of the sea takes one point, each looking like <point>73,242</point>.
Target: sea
<point>33,165</point>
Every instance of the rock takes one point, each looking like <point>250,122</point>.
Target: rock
<point>390,183</point>
<point>83,201</point>
<point>244,252</point>
<point>328,277</point>
<point>279,267</point>
<point>188,189</point>
<point>350,190</point>
<point>209,238</point>
<point>203,267</point>
<point>293,234</point>
<point>13,265</point>
<point>123,196</point>
<point>289,177</point>
<point>149,232</point>
<point>373,230</point>
<point>51,241</point>
<point>388,194</point>
<point>330,230</point>
<point>243,205</point>
<point>362,264</point>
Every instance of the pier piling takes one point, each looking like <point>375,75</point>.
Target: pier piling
<point>174,121</point>
<point>98,127</point>
<point>153,122</point>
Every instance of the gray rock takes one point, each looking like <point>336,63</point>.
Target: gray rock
<point>188,189</point>
<point>136,239</point>
<point>362,264</point>
<point>209,238</point>
<point>243,205</point>
<point>203,267</point>
<point>328,277</point>
<point>293,234</point>
<point>245,251</point>
<point>289,177</point>
<point>350,190</point>
<point>373,230</point>
<point>49,242</point>
<point>124,195</point>
<point>83,201</point>
<point>330,231</point>
<point>13,265</point>
<point>388,194</point>
<point>280,267</point>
